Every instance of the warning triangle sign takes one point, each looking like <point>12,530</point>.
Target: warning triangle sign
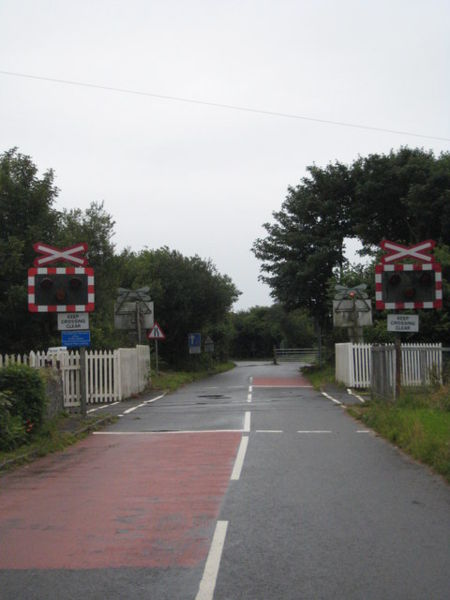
<point>156,333</point>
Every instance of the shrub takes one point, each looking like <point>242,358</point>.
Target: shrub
<point>12,428</point>
<point>26,391</point>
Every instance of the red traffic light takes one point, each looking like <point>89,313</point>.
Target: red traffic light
<point>62,289</point>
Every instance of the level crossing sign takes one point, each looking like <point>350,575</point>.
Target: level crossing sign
<point>156,333</point>
<point>407,285</point>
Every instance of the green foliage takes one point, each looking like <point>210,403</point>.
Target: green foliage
<point>403,196</point>
<point>96,227</point>
<point>319,376</point>
<point>259,329</point>
<point>27,216</point>
<point>419,423</point>
<point>306,242</point>
<point>171,381</point>
<point>26,391</point>
<point>189,295</point>
<point>12,428</point>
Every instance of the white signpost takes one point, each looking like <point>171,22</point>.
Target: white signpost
<point>403,323</point>
<point>156,333</point>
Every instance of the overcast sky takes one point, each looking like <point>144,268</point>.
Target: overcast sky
<point>203,179</point>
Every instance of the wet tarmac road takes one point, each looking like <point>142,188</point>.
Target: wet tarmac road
<point>248,485</point>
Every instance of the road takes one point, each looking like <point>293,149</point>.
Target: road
<point>248,485</point>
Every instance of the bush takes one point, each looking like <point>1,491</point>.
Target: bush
<point>12,428</point>
<point>26,394</point>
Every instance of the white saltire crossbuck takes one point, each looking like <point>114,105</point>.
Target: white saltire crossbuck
<point>72,254</point>
<point>399,252</point>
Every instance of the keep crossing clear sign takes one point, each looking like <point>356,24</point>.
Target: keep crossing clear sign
<point>403,323</point>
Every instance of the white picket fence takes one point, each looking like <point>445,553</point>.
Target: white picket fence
<point>353,363</point>
<point>110,375</point>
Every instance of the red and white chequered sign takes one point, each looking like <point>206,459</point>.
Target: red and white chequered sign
<point>399,252</point>
<point>382,305</point>
<point>33,307</point>
<point>72,254</point>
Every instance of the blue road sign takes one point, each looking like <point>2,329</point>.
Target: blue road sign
<point>195,343</point>
<point>75,339</point>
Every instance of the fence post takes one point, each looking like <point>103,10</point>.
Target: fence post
<point>398,367</point>
<point>83,382</point>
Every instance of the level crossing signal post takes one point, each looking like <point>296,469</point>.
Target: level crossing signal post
<point>407,285</point>
<point>63,289</point>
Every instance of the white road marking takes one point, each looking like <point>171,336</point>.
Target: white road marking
<point>349,391</point>
<point>103,406</point>
<point>133,408</point>
<point>314,431</point>
<point>173,432</point>
<point>331,398</point>
<point>154,399</point>
<point>247,419</point>
<point>130,410</point>
<point>269,431</point>
<point>363,431</point>
<point>280,386</point>
<point>208,582</point>
<point>240,457</point>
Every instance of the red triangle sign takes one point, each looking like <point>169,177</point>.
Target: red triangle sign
<point>156,333</point>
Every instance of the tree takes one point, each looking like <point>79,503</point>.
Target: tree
<point>95,227</point>
<point>258,329</point>
<point>403,196</point>
<point>306,242</point>
<point>27,216</point>
<point>189,292</point>
<point>189,295</point>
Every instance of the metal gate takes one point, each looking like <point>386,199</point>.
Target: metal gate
<point>305,356</point>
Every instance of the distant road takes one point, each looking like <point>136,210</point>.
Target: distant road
<point>246,486</point>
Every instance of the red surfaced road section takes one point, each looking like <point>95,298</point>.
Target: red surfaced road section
<point>298,381</point>
<point>117,501</point>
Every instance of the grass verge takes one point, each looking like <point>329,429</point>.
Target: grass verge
<point>170,381</point>
<point>319,376</point>
<point>419,424</point>
<point>55,435</point>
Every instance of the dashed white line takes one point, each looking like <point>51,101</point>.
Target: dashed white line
<point>240,457</point>
<point>133,408</point>
<point>349,391</point>
<point>208,582</point>
<point>172,432</point>
<point>250,389</point>
<point>331,398</point>
<point>269,431</point>
<point>154,399</point>
<point>314,431</point>
<point>281,386</point>
<point>247,419</point>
